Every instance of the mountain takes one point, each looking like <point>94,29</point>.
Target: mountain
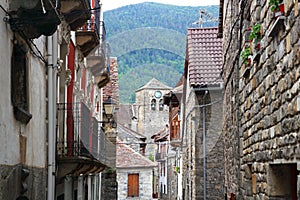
<point>149,41</point>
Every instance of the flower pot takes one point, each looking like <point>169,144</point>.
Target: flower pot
<point>257,47</point>
<point>281,8</point>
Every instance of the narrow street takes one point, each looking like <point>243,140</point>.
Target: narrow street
<point>134,100</point>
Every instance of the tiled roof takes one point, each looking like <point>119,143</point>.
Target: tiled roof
<point>127,131</point>
<point>128,158</point>
<point>204,55</point>
<point>125,113</point>
<point>112,87</point>
<point>154,84</point>
<point>161,135</point>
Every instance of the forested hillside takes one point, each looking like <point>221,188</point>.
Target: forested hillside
<point>149,41</point>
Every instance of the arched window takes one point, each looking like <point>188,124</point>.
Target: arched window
<point>153,104</point>
<point>161,105</point>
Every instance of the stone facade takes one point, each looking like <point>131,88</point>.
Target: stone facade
<point>145,180</point>
<point>150,121</point>
<point>261,104</point>
<point>193,166</point>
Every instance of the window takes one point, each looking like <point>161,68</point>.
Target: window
<point>133,185</point>
<point>283,181</point>
<point>19,84</point>
<point>161,105</point>
<point>153,104</point>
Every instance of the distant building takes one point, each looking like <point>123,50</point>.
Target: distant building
<point>134,174</point>
<point>151,115</point>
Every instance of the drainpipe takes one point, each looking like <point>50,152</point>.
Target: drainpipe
<point>52,74</point>
<point>204,145</point>
<point>51,164</point>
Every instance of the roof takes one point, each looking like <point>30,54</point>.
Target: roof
<point>204,55</point>
<point>126,113</point>
<point>161,135</point>
<point>128,158</point>
<point>127,131</point>
<point>154,84</point>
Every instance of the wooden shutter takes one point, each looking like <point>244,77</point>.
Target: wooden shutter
<point>133,185</point>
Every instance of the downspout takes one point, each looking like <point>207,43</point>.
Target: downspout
<point>54,94</point>
<point>52,74</point>
<point>204,144</point>
<point>51,162</point>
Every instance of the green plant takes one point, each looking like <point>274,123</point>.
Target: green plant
<point>245,55</point>
<point>255,33</point>
<point>177,169</point>
<point>151,157</point>
<point>274,4</point>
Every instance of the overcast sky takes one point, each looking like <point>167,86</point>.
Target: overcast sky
<point>112,4</point>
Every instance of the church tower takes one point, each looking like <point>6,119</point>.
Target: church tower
<point>152,115</point>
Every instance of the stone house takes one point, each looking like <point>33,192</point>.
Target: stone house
<point>132,138</point>
<point>261,103</point>
<point>53,66</point>
<point>134,174</point>
<point>201,123</point>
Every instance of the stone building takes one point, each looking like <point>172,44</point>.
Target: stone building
<point>152,115</point>
<point>261,104</point>
<point>201,123</point>
<point>134,174</point>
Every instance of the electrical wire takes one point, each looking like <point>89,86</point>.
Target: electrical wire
<point>29,42</point>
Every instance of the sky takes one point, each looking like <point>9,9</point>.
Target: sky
<point>112,4</point>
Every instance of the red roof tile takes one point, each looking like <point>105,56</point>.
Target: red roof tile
<point>204,55</point>
<point>128,158</point>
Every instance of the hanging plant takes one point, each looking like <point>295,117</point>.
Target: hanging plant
<point>246,56</point>
<point>277,7</point>
<point>255,33</point>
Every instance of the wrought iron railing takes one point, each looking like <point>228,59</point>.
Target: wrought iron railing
<point>81,135</point>
<point>90,26</point>
<point>160,156</point>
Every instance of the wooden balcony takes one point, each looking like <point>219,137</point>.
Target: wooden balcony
<point>34,18</point>
<point>82,146</point>
<point>98,61</point>
<point>76,12</point>
<point>87,37</point>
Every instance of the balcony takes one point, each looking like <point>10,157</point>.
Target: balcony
<point>87,37</point>
<point>82,146</point>
<point>160,157</point>
<point>76,12</point>
<point>34,18</point>
<point>98,61</point>
<point>175,140</point>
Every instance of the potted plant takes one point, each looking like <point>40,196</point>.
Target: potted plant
<point>246,56</point>
<point>255,36</point>
<point>277,7</point>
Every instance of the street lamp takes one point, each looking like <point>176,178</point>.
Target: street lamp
<point>109,109</point>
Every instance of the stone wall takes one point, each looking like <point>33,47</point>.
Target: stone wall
<point>150,121</point>
<point>109,185</point>
<point>10,182</point>
<point>193,155</point>
<point>269,105</point>
<point>145,183</point>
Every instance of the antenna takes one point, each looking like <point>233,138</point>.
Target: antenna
<point>202,13</point>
